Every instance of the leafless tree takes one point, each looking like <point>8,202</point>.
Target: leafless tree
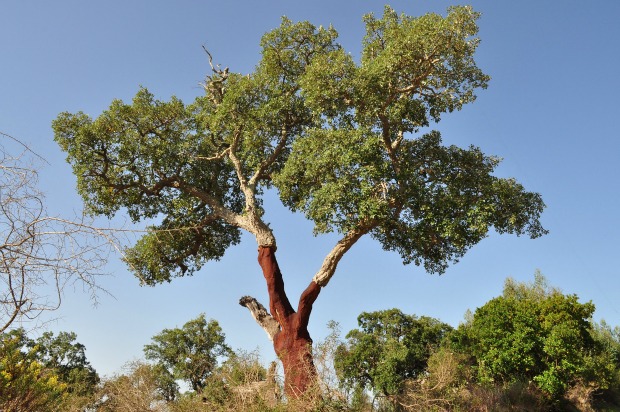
<point>40,254</point>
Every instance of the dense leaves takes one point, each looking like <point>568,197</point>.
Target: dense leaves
<point>134,156</point>
<point>336,137</point>
<point>190,353</point>
<point>25,384</point>
<point>357,169</point>
<point>533,347</point>
<point>68,359</point>
<point>41,374</point>
<point>389,348</point>
<point>533,332</point>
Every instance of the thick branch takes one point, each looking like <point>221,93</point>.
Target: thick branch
<point>399,139</point>
<point>251,220</point>
<point>219,210</point>
<point>330,262</point>
<point>279,305</point>
<point>387,142</point>
<point>306,300</point>
<point>262,317</point>
<point>232,154</point>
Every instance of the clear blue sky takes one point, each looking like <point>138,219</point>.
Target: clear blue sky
<point>551,112</point>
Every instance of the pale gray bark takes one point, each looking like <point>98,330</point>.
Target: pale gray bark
<point>262,317</point>
<point>330,263</point>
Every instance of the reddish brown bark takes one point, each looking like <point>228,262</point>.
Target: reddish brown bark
<point>292,343</point>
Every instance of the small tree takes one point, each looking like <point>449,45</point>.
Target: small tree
<point>389,348</point>
<point>68,359</point>
<point>338,139</point>
<point>189,353</point>
<point>535,333</point>
<point>43,373</point>
<point>26,384</point>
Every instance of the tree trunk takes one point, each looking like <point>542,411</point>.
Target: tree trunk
<point>292,343</point>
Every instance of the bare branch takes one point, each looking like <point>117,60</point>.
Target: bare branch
<point>218,156</point>
<point>40,255</point>
<point>218,70</point>
<point>214,85</point>
<point>262,317</point>
<point>24,145</point>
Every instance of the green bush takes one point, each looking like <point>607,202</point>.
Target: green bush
<point>389,348</point>
<point>534,333</point>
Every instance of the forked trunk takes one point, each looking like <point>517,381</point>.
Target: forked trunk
<point>292,343</point>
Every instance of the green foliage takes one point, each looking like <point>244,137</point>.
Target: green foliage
<point>132,156</point>
<point>389,348</point>
<point>535,333</point>
<point>189,353</point>
<point>42,374</point>
<point>355,170</point>
<point>336,138</point>
<point>604,364</point>
<point>26,384</point>
<point>68,359</point>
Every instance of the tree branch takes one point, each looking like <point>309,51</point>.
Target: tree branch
<point>262,317</point>
<point>328,268</point>
<point>306,300</point>
<point>279,305</point>
<point>390,146</point>
<point>40,255</point>
<point>274,156</point>
<point>220,210</point>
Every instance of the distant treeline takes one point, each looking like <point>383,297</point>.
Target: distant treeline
<point>533,348</point>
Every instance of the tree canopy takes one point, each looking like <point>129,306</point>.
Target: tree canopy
<point>190,353</point>
<point>334,136</point>
<point>536,333</point>
<point>67,358</point>
<point>388,348</point>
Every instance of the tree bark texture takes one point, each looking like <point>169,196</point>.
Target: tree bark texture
<point>292,343</point>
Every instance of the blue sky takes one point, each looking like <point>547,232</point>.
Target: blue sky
<point>550,111</point>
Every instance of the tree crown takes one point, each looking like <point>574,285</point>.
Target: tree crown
<point>335,137</point>
<point>534,333</point>
<point>190,353</point>
<point>388,348</point>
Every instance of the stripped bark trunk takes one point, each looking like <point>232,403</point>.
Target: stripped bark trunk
<point>292,343</point>
<point>287,328</point>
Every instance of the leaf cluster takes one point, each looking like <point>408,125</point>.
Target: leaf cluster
<point>388,348</point>
<point>536,333</point>
<point>190,353</point>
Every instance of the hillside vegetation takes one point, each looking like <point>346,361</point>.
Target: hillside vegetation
<point>533,348</point>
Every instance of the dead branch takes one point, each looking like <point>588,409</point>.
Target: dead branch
<point>260,314</point>
<point>41,255</point>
